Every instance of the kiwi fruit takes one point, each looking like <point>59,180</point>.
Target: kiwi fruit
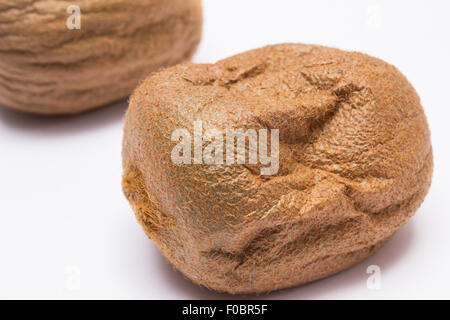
<point>48,67</point>
<point>355,164</point>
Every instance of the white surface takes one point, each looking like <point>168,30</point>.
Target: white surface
<point>66,230</point>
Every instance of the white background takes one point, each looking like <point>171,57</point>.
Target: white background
<point>66,230</point>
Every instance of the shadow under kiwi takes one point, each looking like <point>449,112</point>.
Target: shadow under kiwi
<point>386,257</point>
<point>60,125</point>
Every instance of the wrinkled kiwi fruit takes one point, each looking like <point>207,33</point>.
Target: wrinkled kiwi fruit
<point>47,67</point>
<point>355,163</point>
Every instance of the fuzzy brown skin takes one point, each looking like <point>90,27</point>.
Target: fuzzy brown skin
<point>355,164</point>
<point>46,68</point>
